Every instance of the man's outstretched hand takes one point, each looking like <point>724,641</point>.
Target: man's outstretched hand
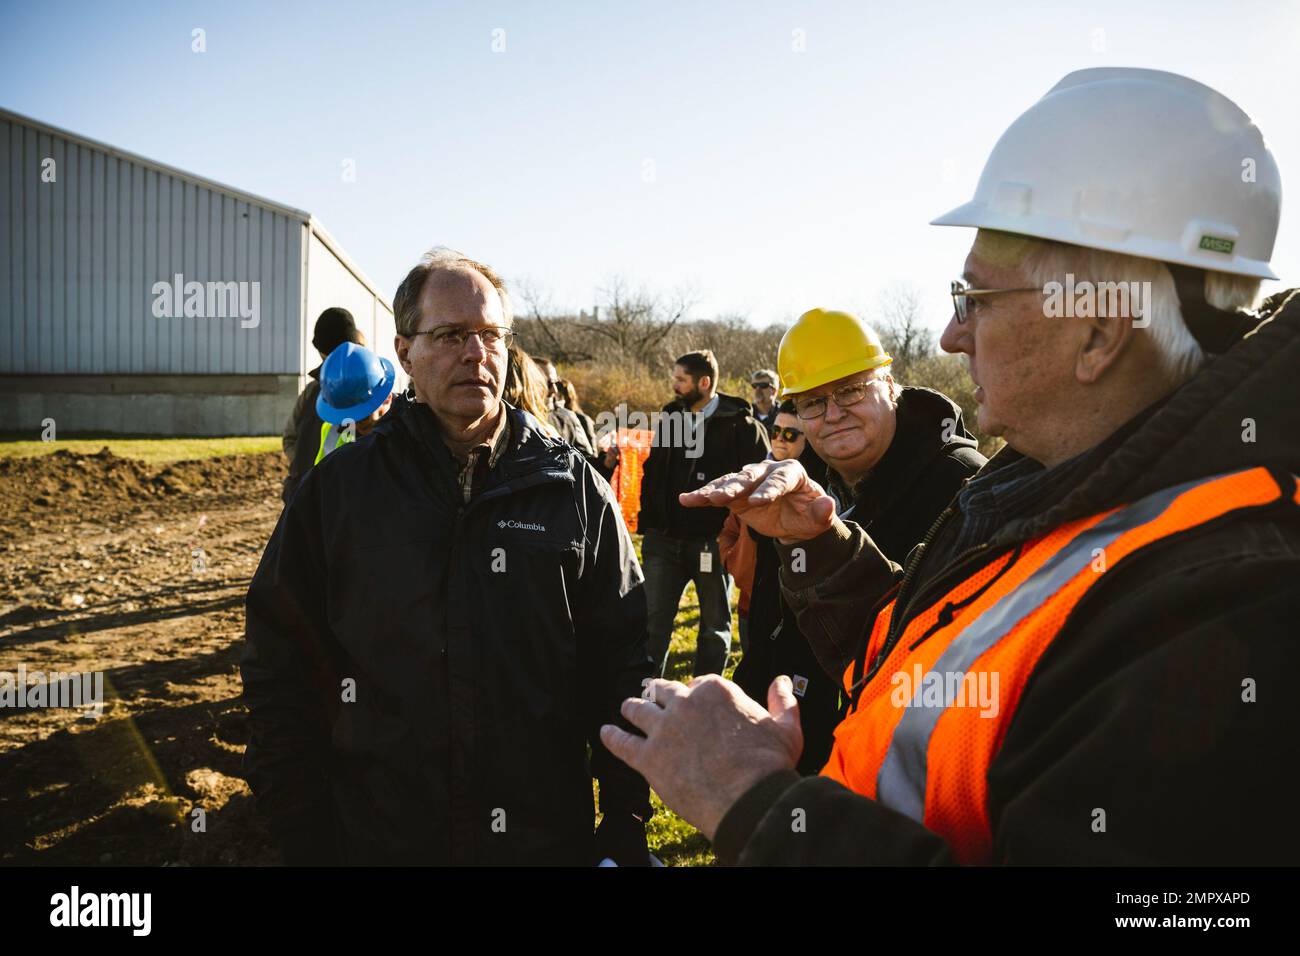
<point>775,498</point>
<point>706,743</point>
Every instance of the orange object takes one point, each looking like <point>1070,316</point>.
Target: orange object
<point>930,721</point>
<point>634,449</point>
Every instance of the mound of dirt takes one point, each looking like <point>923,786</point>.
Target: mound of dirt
<point>66,479</point>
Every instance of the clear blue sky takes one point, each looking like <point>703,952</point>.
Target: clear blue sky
<point>782,180</point>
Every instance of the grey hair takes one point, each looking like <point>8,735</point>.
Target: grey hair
<point>406,304</point>
<point>1044,261</point>
<point>768,374</point>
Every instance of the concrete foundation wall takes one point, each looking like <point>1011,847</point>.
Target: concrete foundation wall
<point>209,405</point>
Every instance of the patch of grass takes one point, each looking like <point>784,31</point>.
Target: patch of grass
<point>155,450</point>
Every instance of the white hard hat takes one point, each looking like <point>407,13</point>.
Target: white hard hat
<point>1139,162</point>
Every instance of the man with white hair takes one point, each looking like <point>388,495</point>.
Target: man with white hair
<point>1074,666</point>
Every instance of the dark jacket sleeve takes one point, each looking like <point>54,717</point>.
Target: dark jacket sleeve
<point>609,620</point>
<point>289,439</point>
<point>834,584</point>
<point>287,678</point>
<point>1145,735</point>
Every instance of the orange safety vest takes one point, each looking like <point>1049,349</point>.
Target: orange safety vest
<point>932,716</point>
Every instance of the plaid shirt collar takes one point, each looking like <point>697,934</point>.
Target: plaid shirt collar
<point>482,458</point>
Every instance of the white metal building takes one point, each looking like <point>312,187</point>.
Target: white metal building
<point>136,298</point>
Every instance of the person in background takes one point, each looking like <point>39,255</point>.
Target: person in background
<point>700,435</point>
<point>608,459</point>
<point>301,438</point>
<point>565,421</point>
<point>567,397</point>
<point>765,384</point>
<point>743,550</point>
<point>525,388</point>
<point>356,391</point>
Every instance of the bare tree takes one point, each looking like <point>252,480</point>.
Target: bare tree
<point>902,328</point>
<point>637,321</point>
<point>542,324</point>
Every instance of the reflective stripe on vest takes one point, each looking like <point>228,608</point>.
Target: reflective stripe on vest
<point>331,437</point>
<point>928,724</point>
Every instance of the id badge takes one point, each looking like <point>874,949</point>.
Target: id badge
<point>706,562</point>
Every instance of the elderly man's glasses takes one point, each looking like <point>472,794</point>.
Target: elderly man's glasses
<point>786,434</point>
<point>762,386</point>
<point>846,395</point>
<point>452,338</point>
<point>960,294</point>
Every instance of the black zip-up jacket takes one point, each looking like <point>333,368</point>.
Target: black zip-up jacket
<point>1137,705</point>
<point>926,464</point>
<point>424,677</point>
<point>732,439</point>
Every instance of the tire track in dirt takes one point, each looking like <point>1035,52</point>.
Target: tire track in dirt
<point>138,571</point>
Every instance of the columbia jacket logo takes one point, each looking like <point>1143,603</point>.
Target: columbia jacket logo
<point>524,525</point>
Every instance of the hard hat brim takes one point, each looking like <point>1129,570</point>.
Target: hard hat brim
<point>362,411</point>
<point>851,367</point>
<point>976,215</point>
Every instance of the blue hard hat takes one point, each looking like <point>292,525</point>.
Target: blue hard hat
<point>354,381</point>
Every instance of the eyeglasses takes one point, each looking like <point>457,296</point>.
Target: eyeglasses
<point>762,386</point>
<point>791,435</point>
<point>845,395</point>
<point>960,294</point>
<point>452,338</point>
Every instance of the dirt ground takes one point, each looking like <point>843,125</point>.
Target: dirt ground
<point>137,570</point>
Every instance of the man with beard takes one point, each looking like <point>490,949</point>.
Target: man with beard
<point>700,435</point>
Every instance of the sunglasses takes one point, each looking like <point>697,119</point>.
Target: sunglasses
<point>786,434</point>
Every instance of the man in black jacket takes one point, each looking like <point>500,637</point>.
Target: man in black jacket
<point>1109,596</point>
<point>699,436</point>
<point>447,611</point>
<point>896,457</point>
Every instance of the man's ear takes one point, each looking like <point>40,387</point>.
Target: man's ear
<point>1103,341</point>
<point>402,345</point>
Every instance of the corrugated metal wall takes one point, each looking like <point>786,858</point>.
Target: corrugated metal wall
<point>79,257</point>
<point>331,283</point>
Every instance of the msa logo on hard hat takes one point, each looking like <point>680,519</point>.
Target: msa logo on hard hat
<point>1215,244</point>
<point>522,525</point>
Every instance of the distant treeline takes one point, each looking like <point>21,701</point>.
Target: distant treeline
<point>623,350</point>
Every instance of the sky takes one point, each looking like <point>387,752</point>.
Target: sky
<point>768,156</point>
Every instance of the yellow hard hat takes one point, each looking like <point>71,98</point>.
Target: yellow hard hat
<point>824,345</point>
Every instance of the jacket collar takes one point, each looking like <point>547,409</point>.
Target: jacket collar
<point>530,456</point>
<point>727,406</point>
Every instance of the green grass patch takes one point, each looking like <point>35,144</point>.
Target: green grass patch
<point>156,450</point>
